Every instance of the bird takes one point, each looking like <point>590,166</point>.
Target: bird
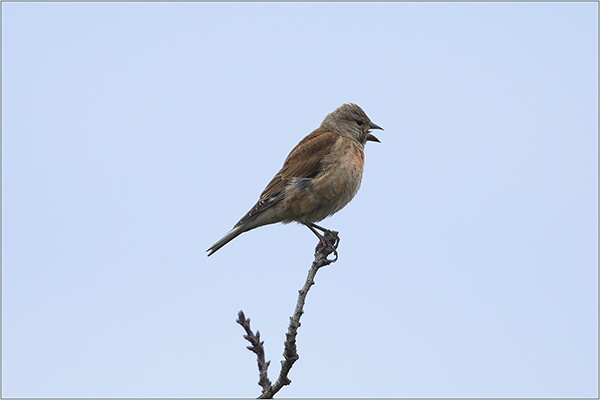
<point>319,177</point>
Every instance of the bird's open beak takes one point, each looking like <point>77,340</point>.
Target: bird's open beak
<point>375,126</point>
<point>371,137</point>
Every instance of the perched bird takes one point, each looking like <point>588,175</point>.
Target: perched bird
<point>318,178</point>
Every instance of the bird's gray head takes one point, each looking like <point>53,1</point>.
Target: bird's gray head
<point>351,121</point>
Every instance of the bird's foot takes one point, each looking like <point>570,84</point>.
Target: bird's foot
<point>328,244</point>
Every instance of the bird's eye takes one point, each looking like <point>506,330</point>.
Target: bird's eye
<point>359,122</point>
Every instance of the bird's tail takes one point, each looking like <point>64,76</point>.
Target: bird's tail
<point>232,234</point>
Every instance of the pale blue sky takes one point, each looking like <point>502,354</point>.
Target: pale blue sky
<point>136,134</point>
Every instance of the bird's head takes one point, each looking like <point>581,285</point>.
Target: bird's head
<point>351,121</point>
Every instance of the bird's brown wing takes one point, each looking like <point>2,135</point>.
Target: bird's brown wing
<point>305,160</point>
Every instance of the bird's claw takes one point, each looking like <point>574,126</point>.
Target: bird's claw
<point>328,244</point>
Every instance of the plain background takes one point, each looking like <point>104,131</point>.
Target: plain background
<point>136,134</point>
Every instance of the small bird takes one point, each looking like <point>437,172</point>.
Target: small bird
<point>318,178</point>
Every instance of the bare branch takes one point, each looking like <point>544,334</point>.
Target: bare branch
<point>258,349</point>
<point>326,246</point>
